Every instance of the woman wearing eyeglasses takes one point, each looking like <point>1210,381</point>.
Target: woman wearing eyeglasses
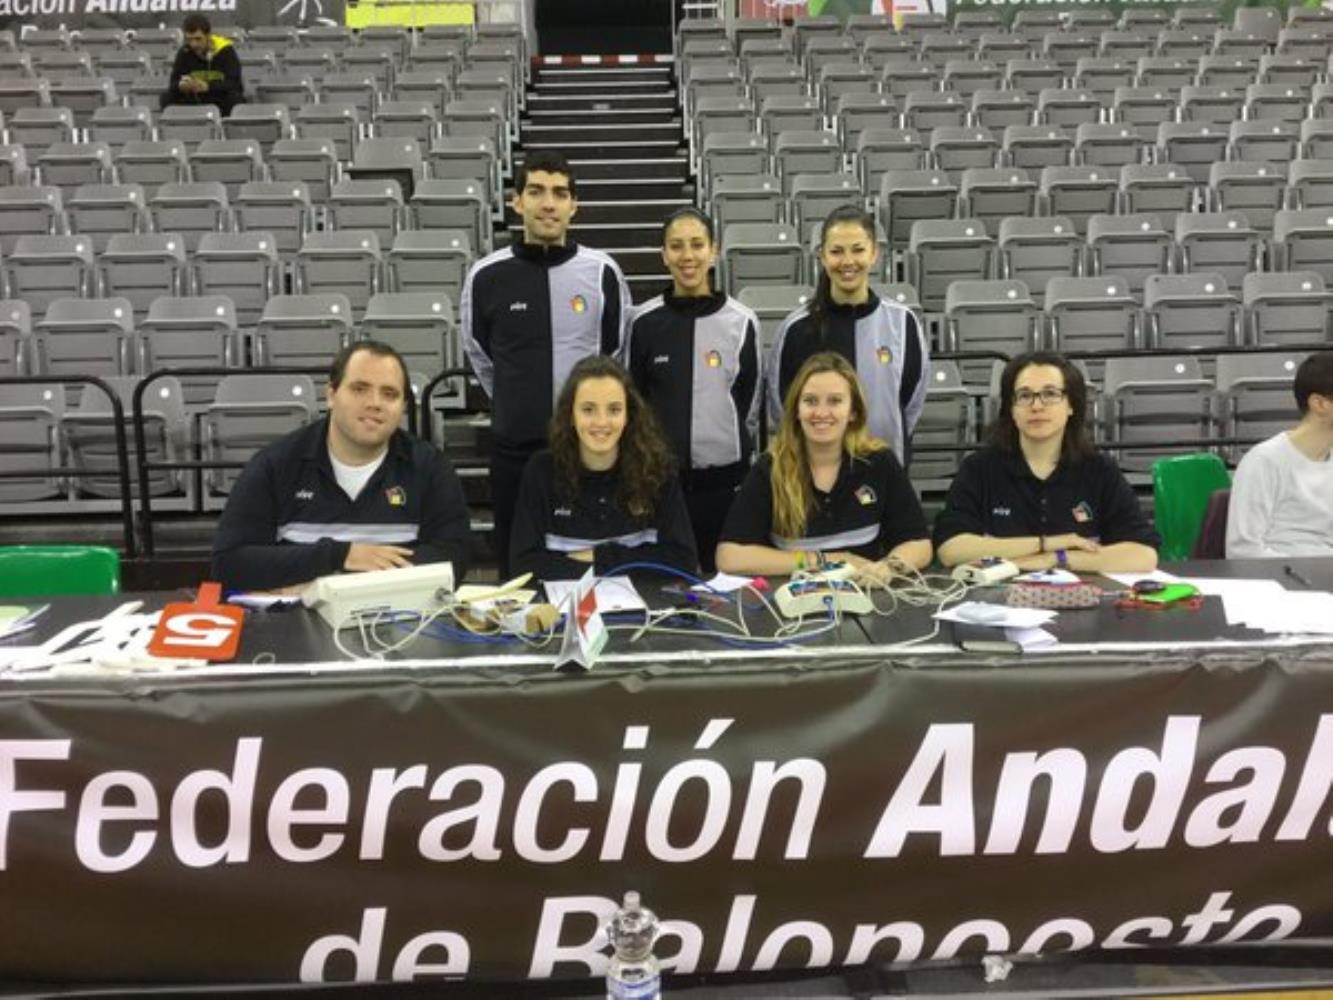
<point>1040,495</point>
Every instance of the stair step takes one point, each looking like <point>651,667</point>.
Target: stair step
<point>601,117</point>
<point>620,71</point>
<point>643,287</point>
<point>610,236</point>
<point>668,166</point>
<point>605,149</point>
<point>604,132</point>
<point>632,188</point>
<point>615,103</point>
<point>580,88</point>
<point>630,211</point>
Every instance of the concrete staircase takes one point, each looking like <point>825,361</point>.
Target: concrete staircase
<point>620,127</point>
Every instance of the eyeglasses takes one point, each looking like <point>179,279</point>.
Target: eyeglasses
<point>1049,396</point>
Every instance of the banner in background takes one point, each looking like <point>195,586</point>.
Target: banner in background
<point>73,14</point>
<point>401,825</point>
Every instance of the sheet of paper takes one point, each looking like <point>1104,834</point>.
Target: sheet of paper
<point>1031,638</point>
<point>614,593</point>
<point>996,615</point>
<point>1290,613</point>
<point>1240,597</point>
<point>261,601</point>
<point>724,583</point>
<point>16,619</point>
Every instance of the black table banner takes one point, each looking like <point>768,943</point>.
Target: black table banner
<point>400,824</point>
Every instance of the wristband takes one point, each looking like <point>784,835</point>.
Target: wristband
<point>1061,558</point>
<point>800,560</point>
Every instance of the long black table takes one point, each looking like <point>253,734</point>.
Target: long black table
<point>846,802</point>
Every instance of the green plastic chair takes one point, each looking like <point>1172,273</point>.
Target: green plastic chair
<point>48,570</point>
<point>1181,487</point>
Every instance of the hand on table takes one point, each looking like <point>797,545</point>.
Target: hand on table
<point>364,558</point>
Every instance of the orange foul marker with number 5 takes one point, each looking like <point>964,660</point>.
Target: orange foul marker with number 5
<point>204,630</point>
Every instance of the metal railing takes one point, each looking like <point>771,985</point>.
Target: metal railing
<point>122,449</point>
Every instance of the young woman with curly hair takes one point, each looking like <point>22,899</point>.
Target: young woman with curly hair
<point>827,490</point>
<point>606,492</point>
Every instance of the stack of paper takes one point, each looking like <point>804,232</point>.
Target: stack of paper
<point>996,615</point>
<point>614,594</point>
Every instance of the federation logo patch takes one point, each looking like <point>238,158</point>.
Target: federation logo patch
<point>396,495</point>
<point>713,359</point>
<point>579,304</point>
<point>884,355</point>
<point>1082,512</point>
<point>865,496</point>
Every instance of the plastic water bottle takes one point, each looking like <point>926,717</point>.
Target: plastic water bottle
<point>633,973</point>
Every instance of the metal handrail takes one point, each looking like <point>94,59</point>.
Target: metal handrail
<point>122,448</point>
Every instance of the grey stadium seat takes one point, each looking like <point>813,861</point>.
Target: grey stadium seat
<point>313,162</point>
<point>1220,242</point>
<point>29,438</point>
<point>198,332</point>
<point>1190,310</point>
<point>430,260</point>
<point>906,196</point>
<point>190,210</point>
<point>947,418</point>
<point>152,164</point>
<point>1254,395</point>
<point>79,336</point>
<point>243,267</point>
<point>1303,241</point>
<point>737,198</point>
<point>303,329</point>
<point>942,251</point>
<point>279,207</point>
<point>1036,250</point>
<point>755,253</point>
<point>28,211</point>
<point>44,268</point>
<point>1077,193</point>
<point>1091,314</point>
<point>1156,399</point>
<point>89,430</point>
<point>101,211</point>
<point>993,315</point>
<point>1289,308</point>
<point>143,267</point>
<point>1258,190</point>
<point>1161,189</point>
<point>229,162</point>
<point>347,262</point>
<point>995,194</point>
<point>68,165</point>
<point>454,204</point>
<point>419,325</point>
<point>16,347</point>
<point>1130,247</point>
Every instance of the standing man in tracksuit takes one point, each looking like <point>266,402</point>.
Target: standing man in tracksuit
<point>206,71</point>
<point>528,313</point>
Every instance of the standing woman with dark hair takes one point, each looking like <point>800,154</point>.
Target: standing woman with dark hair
<point>883,341</point>
<point>606,492</point>
<point>1040,495</point>
<point>694,354</point>
<point>826,489</point>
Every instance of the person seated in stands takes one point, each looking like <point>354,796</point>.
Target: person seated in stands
<point>207,69</point>
<point>1039,494</point>
<point>694,354</point>
<point>1282,493</point>
<point>826,490</point>
<point>351,492</point>
<point>605,494</point>
<point>882,340</point>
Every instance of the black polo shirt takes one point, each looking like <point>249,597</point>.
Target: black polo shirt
<point>995,493</point>
<point>871,510</point>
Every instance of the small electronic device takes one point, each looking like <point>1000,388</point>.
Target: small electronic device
<point>985,572</point>
<point>811,597</point>
<point>345,599</point>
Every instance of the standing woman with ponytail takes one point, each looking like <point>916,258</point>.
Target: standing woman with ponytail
<point>883,341</point>
<point>694,355</point>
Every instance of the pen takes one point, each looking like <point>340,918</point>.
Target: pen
<point>1297,577</point>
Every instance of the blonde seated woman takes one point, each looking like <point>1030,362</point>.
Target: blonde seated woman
<point>826,490</point>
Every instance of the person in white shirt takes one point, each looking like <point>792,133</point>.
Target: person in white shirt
<point>1282,494</point>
